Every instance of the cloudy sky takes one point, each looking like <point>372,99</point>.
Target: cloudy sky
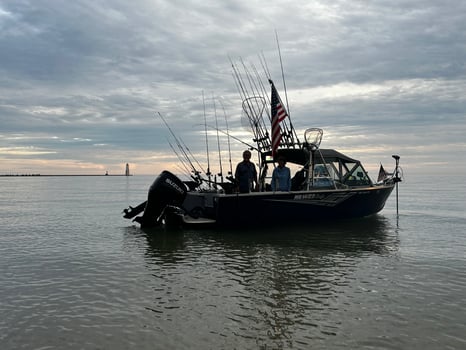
<point>81,82</point>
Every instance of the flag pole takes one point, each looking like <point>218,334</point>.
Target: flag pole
<point>283,74</point>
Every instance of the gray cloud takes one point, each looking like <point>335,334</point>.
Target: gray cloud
<point>85,75</point>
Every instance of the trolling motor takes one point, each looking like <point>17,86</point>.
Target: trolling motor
<point>397,177</point>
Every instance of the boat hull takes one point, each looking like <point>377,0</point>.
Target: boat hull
<point>169,202</point>
<point>288,207</point>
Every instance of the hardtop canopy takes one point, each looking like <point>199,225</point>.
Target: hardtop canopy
<point>301,156</point>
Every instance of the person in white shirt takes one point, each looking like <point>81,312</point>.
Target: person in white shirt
<point>281,177</point>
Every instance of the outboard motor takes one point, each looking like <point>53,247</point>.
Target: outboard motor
<point>167,189</point>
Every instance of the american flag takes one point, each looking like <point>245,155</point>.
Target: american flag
<point>278,115</point>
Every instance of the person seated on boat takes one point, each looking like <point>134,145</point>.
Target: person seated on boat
<point>246,174</point>
<point>320,171</point>
<point>281,178</point>
<point>298,180</point>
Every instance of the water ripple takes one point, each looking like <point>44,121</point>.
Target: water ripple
<point>72,276</point>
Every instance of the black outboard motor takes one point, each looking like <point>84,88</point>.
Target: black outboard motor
<point>167,189</point>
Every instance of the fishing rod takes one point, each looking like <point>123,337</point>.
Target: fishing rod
<point>292,132</point>
<point>257,86</point>
<point>251,82</point>
<point>263,90</point>
<point>182,161</point>
<point>250,147</point>
<point>228,138</point>
<point>242,89</point>
<point>208,173</point>
<point>197,175</point>
<point>252,108</point>
<point>264,65</point>
<point>218,141</point>
<point>182,145</point>
<point>192,156</point>
<point>237,81</point>
<point>181,169</point>
<point>257,113</point>
<point>179,145</point>
<point>283,74</point>
<point>289,133</point>
<point>244,96</point>
<point>285,130</point>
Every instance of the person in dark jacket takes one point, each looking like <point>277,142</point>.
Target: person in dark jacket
<point>246,174</point>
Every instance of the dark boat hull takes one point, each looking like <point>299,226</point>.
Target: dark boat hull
<point>169,202</point>
<point>309,206</point>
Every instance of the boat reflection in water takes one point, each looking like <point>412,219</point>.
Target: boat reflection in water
<point>277,286</point>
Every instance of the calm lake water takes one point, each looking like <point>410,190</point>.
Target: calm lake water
<point>76,275</point>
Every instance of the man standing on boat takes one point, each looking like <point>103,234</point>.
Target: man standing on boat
<point>246,174</point>
<point>281,178</point>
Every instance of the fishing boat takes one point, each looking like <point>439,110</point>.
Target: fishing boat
<point>327,185</point>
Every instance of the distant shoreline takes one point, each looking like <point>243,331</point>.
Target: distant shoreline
<point>40,175</point>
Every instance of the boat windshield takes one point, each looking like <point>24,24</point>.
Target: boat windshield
<point>357,176</point>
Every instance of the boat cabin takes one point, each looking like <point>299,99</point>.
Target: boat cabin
<point>323,168</point>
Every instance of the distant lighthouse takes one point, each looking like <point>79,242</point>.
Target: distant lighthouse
<point>127,170</point>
